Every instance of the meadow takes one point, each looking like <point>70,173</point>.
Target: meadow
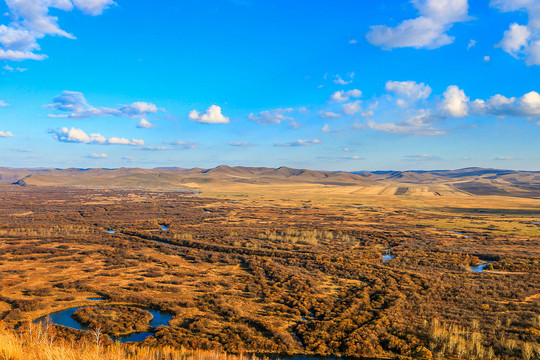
<point>278,269</point>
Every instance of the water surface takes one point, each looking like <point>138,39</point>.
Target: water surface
<point>64,318</point>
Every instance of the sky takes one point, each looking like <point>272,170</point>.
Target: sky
<point>329,85</point>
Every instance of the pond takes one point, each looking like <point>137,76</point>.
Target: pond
<point>111,231</point>
<point>164,227</point>
<point>387,255</point>
<point>460,233</point>
<point>64,318</point>
<point>480,268</point>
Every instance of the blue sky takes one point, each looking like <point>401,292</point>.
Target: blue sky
<point>348,85</point>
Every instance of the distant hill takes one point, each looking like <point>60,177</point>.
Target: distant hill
<point>463,182</point>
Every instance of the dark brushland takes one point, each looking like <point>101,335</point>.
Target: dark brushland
<point>278,261</point>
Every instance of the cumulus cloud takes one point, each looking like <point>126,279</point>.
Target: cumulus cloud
<point>352,108</point>
<point>326,128</point>
<point>342,96</point>
<point>522,41</point>
<point>6,134</point>
<point>527,106</point>
<point>271,117</point>
<point>409,90</point>
<point>72,135</point>
<point>74,106</point>
<point>328,115</point>
<point>455,102</point>
<point>31,21</point>
<point>300,142</point>
<point>428,30</point>
<point>98,156</point>
<point>212,116</point>
<point>144,124</point>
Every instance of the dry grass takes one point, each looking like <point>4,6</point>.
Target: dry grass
<point>39,343</point>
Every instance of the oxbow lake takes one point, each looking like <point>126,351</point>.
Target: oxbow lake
<point>64,318</point>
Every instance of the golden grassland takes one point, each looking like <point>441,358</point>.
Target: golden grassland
<point>40,343</point>
<point>281,268</point>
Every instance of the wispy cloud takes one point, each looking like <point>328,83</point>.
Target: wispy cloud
<point>241,144</point>
<point>183,145</point>
<point>73,105</point>
<point>422,157</point>
<point>428,30</point>
<point>12,69</point>
<point>328,115</point>
<point>3,103</point>
<point>98,156</point>
<point>338,80</point>
<point>300,142</point>
<point>271,117</point>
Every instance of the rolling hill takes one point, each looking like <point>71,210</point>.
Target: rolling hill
<point>462,182</point>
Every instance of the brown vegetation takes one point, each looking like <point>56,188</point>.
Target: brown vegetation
<point>298,276</point>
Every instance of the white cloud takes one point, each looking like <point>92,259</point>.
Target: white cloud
<point>156,148</point>
<point>212,116</point>
<point>504,158</point>
<point>472,43</point>
<point>522,41</point>
<point>6,134</point>
<point>74,104</point>
<point>329,115</point>
<point>419,124</point>
<point>527,106</point>
<point>271,117</point>
<point>31,21</point>
<point>241,144</point>
<point>422,157</point>
<point>144,124</point>
<point>352,108</point>
<point>342,96</point>
<point>339,81</point>
<point>93,7</point>
<point>182,144</point>
<point>11,69</point>
<point>326,128</point>
<point>515,39</point>
<point>300,142</point>
<point>410,90</point>
<point>3,103</point>
<point>98,156</point>
<point>455,102</point>
<point>72,135</point>
<point>428,30</point>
